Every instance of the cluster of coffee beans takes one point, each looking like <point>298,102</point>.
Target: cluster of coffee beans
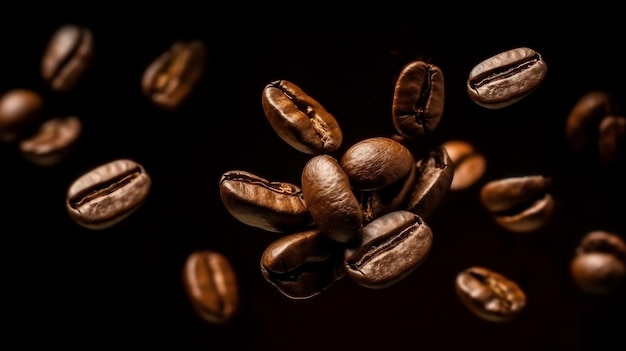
<point>361,215</point>
<point>364,213</point>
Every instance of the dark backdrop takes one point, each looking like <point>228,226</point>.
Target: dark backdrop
<point>71,287</point>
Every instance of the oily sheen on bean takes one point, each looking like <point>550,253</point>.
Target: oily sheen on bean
<point>299,119</point>
<point>389,249</point>
<point>255,201</point>
<point>328,195</point>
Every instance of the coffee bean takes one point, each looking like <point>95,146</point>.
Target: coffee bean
<point>107,194</point>
<point>519,204</point>
<point>54,139</point>
<point>300,120</point>
<point>599,265</point>
<point>328,195</point>
<point>389,249</point>
<point>490,295</point>
<point>506,78</point>
<point>376,203</point>
<point>418,99</point>
<point>375,163</point>
<point>612,140</point>
<point>258,202</point>
<point>434,176</point>
<point>303,264</point>
<point>20,110</point>
<point>469,164</point>
<point>211,285</point>
<point>67,57</point>
<point>172,77</point>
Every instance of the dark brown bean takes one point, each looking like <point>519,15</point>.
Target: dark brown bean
<point>67,57</point>
<point>434,176</point>
<point>506,78</point>
<point>172,77</point>
<point>303,264</point>
<point>389,249</point>
<point>418,99</point>
<point>490,295</point>
<point>599,265</point>
<point>20,110</point>
<point>329,197</point>
<point>52,142</point>
<point>107,194</point>
<point>299,119</point>
<point>258,202</point>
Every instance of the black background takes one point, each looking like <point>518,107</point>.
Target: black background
<point>72,287</point>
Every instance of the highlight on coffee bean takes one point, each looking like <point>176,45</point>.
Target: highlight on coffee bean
<point>490,295</point>
<point>599,263</point>
<point>107,194</point>
<point>506,78</point>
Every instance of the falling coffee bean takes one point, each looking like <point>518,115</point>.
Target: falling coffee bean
<point>520,204</point>
<point>599,264</point>
<point>506,78</point>
<point>211,285</point>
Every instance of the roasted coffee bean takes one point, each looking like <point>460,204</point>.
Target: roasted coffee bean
<point>434,176</point>
<point>418,99</point>
<point>328,195</point>
<point>258,202</point>
<point>210,282</point>
<point>599,265</point>
<point>376,203</point>
<point>506,78</point>
<point>519,204</point>
<point>469,164</point>
<point>20,109</point>
<point>303,264</point>
<point>299,119</point>
<point>585,117</point>
<point>107,194</point>
<point>54,139</point>
<point>172,77</point>
<point>389,249</point>
<point>375,163</point>
<point>490,295</point>
<point>67,57</point>
<point>612,140</point>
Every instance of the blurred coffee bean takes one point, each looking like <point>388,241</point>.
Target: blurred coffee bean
<point>506,78</point>
<point>51,143</point>
<point>469,164</point>
<point>67,57</point>
<point>255,201</point>
<point>418,99</point>
<point>490,295</point>
<point>20,110</point>
<point>388,249</point>
<point>303,264</point>
<point>595,128</point>
<point>107,194</point>
<point>599,265</point>
<point>299,119</point>
<point>519,204</point>
<point>170,79</point>
<point>212,286</point>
